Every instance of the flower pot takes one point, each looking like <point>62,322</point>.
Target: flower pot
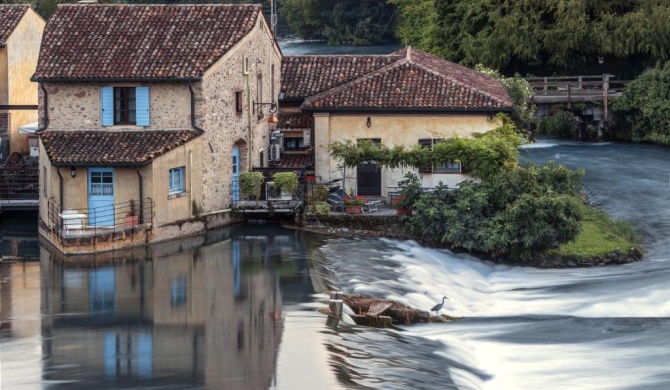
<point>403,211</point>
<point>352,209</point>
<point>132,220</point>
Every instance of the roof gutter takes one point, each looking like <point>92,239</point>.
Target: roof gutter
<point>98,164</point>
<point>406,109</point>
<point>112,80</point>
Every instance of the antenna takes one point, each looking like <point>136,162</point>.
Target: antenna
<point>273,17</point>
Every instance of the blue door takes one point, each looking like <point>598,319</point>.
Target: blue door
<point>101,196</point>
<point>236,174</point>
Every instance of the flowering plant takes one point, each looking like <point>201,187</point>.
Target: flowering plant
<point>354,201</point>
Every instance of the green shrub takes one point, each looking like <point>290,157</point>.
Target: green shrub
<point>285,181</point>
<point>410,191</point>
<point>514,213</point>
<point>561,124</point>
<point>250,184</point>
<point>322,208</point>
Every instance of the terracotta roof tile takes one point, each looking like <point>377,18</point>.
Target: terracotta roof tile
<point>122,41</point>
<point>304,76</point>
<point>10,16</point>
<point>294,161</point>
<point>105,147</point>
<point>418,81</point>
<point>295,121</point>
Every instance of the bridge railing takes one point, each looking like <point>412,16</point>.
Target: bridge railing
<point>576,88</point>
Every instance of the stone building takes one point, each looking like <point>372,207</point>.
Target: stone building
<point>147,115</point>
<point>405,98</point>
<point>20,36</point>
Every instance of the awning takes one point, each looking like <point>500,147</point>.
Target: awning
<point>29,128</point>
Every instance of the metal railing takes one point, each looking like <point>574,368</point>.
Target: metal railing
<point>19,183</point>
<point>84,222</point>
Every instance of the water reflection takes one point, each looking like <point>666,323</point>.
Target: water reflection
<point>206,313</point>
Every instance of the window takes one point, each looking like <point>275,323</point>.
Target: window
<point>450,167</point>
<point>293,143</point>
<point>176,180</point>
<point>178,292</point>
<point>125,106</point>
<point>238,102</point>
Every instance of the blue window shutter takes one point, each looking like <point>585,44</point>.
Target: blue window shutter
<point>107,105</point>
<point>142,108</point>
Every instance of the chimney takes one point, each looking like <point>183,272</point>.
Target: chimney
<point>409,53</point>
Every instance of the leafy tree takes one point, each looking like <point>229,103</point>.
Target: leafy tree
<point>541,37</point>
<point>520,91</point>
<point>645,105</point>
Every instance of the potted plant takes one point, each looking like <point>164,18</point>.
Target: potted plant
<point>250,185</point>
<point>132,219</point>
<point>354,204</point>
<point>410,192</point>
<point>286,182</point>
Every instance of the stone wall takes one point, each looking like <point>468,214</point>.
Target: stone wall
<point>77,106</point>
<point>224,126</point>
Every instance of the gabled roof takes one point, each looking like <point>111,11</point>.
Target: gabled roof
<point>110,147</point>
<point>304,76</point>
<point>10,16</point>
<point>135,42</point>
<point>416,81</point>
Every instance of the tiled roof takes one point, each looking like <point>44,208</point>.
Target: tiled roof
<point>304,76</point>
<point>417,81</point>
<point>294,161</point>
<point>295,121</point>
<point>10,16</point>
<point>111,148</point>
<point>122,41</point>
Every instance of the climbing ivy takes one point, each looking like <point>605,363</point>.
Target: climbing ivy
<point>483,155</point>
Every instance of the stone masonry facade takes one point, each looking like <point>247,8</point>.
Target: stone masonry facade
<point>224,127</point>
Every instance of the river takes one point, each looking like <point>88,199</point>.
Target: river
<point>236,308</point>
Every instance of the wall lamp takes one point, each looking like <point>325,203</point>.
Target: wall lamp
<point>489,118</point>
<point>273,106</point>
<point>368,122</point>
<point>73,172</point>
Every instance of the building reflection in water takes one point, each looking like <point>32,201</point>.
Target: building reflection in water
<point>205,315</point>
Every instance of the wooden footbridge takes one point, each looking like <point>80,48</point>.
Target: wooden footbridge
<point>599,89</point>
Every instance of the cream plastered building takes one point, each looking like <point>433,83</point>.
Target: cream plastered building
<point>168,120</point>
<point>20,36</point>
<point>405,98</point>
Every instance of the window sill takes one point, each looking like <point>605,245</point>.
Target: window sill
<point>125,127</point>
<point>177,195</point>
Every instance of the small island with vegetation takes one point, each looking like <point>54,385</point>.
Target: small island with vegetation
<point>509,212</point>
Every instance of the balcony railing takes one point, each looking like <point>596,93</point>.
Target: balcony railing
<point>83,222</point>
<point>19,184</point>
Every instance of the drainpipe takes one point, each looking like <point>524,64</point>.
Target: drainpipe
<point>190,181</point>
<point>250,143</point>
<point>46,111</point>
<point>60,190</point>
<point>193,124</point>
<point>141,219</point>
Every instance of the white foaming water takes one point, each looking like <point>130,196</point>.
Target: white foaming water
<point>526,328</point>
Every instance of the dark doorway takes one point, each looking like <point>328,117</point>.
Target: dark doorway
<point>369,176</point>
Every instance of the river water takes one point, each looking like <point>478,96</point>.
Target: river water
<point>236,308</point>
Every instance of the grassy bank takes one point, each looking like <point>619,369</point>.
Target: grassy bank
<point>600,235</point>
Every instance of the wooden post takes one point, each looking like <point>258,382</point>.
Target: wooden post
<point>606,87</point>
<point>569,97</point>
<point>545,86</point>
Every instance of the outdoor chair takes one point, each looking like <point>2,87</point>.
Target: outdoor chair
<point>336,199</point>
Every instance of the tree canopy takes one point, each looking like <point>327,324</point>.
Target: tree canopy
<point>541,37</point>
<point>359,22</point>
